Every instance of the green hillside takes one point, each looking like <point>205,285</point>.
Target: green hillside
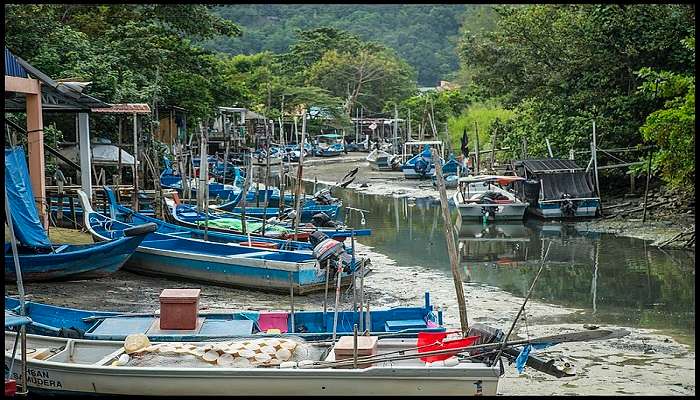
<point>424,35</point>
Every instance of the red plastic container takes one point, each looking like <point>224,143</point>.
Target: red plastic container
<point>439,343</point>
<point>10,387</point>
<point>179,309</point>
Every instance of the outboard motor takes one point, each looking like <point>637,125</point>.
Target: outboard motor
<point>288,213</point>
<point>324,197</point>
<point>568,207</point>
<point>328,252</point>
<point>322,220</point>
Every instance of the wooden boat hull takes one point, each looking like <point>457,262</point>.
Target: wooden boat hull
<point>86,375</point>
<point>76,262</point>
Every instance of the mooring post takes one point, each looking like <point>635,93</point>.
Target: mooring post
<point>362,292</point>
<point>337,299</point>
<point>476,154</point>
<point>594,148</point>
<point>451,246</point>
<point>300,175</point>
<point>646,190</point>
<point>291,299</point>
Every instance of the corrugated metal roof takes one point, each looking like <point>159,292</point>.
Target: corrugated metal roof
<point>550,165</point>
<point>12,67</point>
<point>56,96</point>
<point>125,108</point>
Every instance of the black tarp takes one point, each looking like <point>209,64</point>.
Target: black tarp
<point>559,177</point>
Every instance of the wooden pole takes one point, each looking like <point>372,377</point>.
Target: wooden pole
<point>493,147</point>
<point>354,346</point>
<point>476,142</point>
<point>594,149</point>
<point>267,176</point>
<point>451,246</point>
<point>338,273</point>
<point>119,146</point>
<point>549,148</point>
<point>646,190</point>
<point>300,174</point>
<point>244,194</point>
<point>203,162</point>
<point>325,297</point>
<point>362,292</point>
<point>135,195</point>
<point>291,298</point>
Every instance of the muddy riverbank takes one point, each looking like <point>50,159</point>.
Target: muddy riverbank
<point>642,363</point>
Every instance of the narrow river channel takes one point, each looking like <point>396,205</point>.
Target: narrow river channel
<point>614,280</point>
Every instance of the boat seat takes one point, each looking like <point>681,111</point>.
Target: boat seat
<point>399,325</point>
<point>115,328</point>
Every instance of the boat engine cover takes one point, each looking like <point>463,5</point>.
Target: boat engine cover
<point>327,248</point>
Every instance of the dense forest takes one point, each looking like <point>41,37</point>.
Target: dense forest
<point>424,35</point>
<point>526,72</point>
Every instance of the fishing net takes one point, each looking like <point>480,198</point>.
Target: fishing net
<point>239,353</point>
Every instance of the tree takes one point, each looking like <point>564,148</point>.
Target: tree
<point>561,66</point>
<point>672,127</point>
<point>365,77</point>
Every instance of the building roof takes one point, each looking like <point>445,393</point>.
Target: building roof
<point>125,108</point>
<point>55,96</point>
<point>12,67</point>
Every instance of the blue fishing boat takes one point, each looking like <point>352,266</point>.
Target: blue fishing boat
<point>419,166</point>
<point>450,173</point>
<point>41,260</point>
<point>188,216</point>
<point>282,241</point>
<point>329,145</point>
<point>311,325</point>
<point>182,254</point>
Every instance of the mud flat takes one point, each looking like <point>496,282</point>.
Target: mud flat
<point>642,363</point>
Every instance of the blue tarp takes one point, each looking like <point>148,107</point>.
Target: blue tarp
<point>25,218</point>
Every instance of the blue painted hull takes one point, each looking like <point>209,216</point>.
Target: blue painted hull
<point>190,222</point>
<point>182,256</point>
<point>585,209</point>
<point>311,325</point>
<point>75,261</point>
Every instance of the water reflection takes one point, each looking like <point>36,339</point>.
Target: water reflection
<point>613,279</point>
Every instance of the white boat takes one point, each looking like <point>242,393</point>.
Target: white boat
<point>380,160</point>
<point>482,197</point>
<point>74,366</point>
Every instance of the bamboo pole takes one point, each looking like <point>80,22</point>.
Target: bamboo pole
<point>594,149</point>
<point>339,273</point>
<point>477,154</point>
<point>451,246</point>
<point>291,298</point>
<point>244,193</point>
<point>646,190</point>
<point>300,174</point>
<point>135,199</point>
<point>20,292</point>
<point>522,307</point>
